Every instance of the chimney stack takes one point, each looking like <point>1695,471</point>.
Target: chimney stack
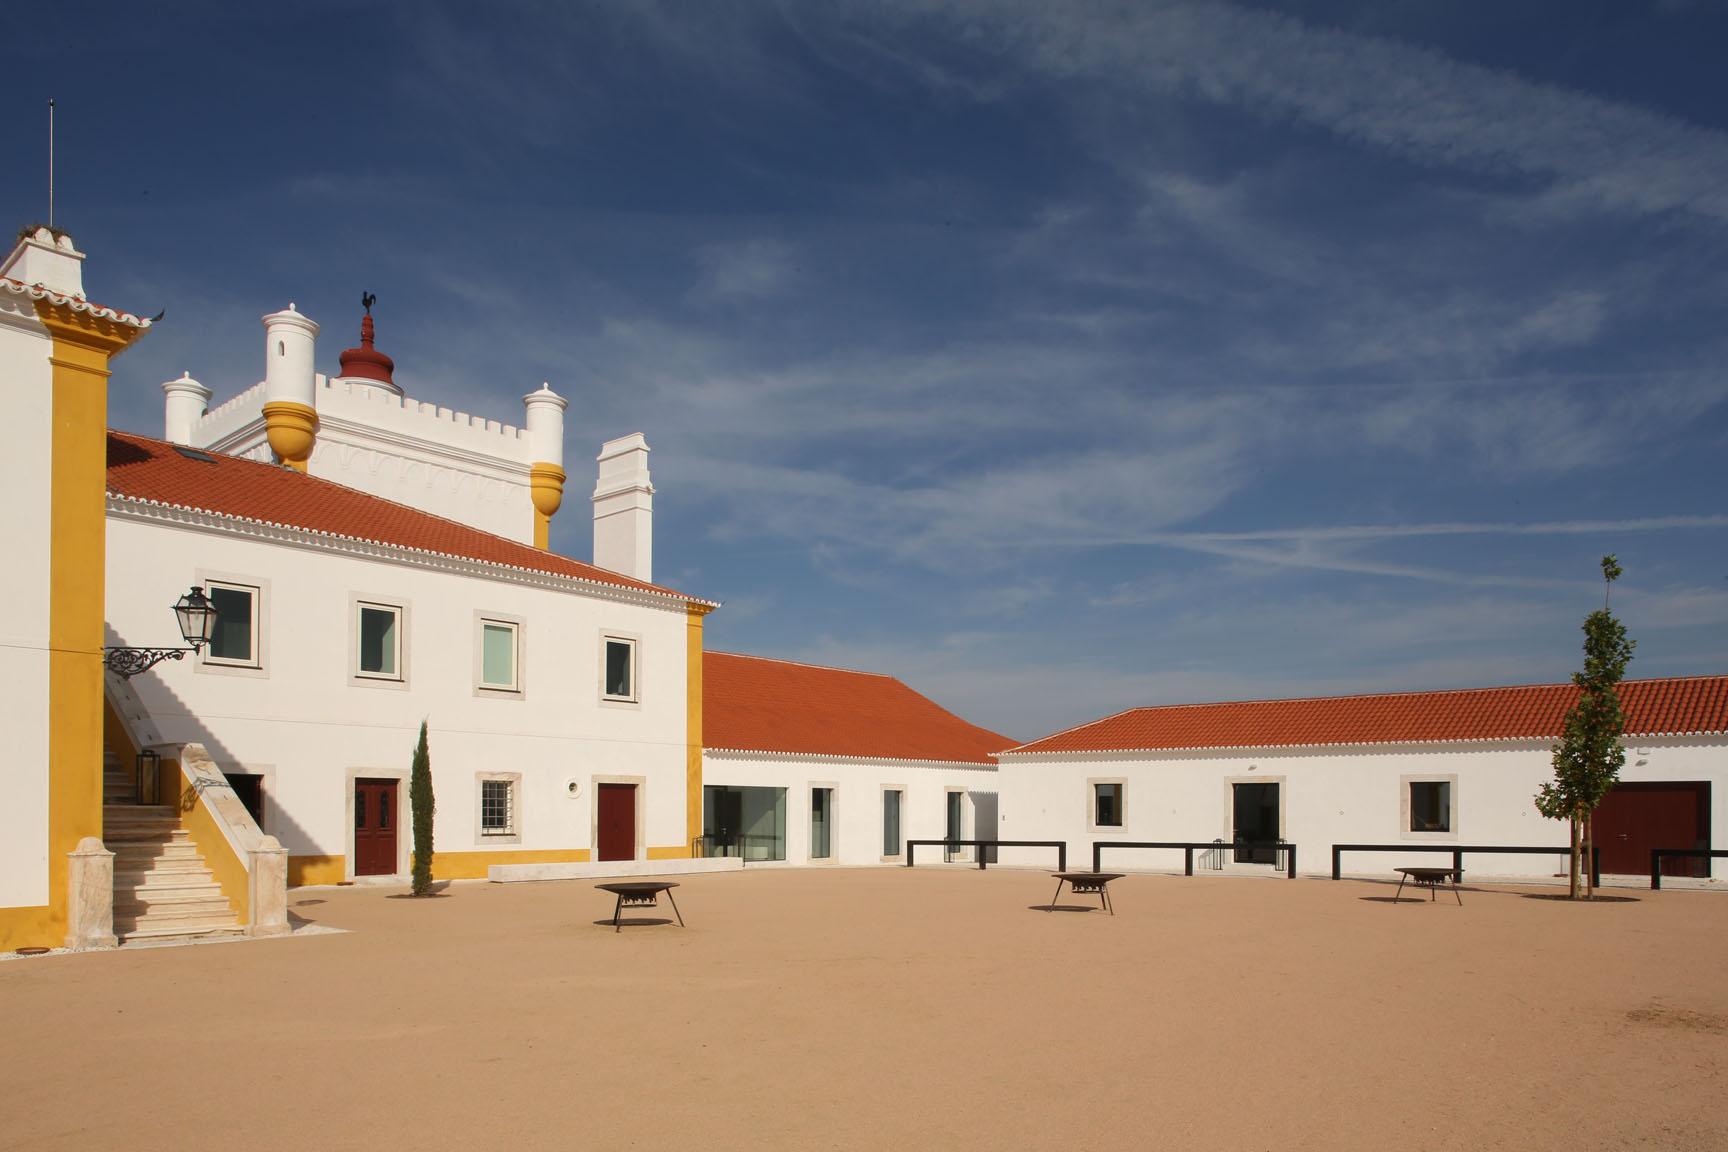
<point>47,258</point>
<point>624,509</point>
<point>545,424</point>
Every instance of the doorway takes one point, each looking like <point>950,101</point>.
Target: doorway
<point>821,823</point>
<point>376,815</point>
<point>956,827</point>
<point>249,790</point>
<point>616,826</point>
<point>1255,824</point>
<point>1634,818</point>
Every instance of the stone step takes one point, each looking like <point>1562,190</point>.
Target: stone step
<point>188,929</point>
<point>132,877</point>
<point>139,853</point>
<point>167,884</point>
<point>135,913</point>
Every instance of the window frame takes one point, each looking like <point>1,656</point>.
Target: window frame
<point>514,782</point>
<point>1121,785</point>
<point>882,823</point>
<point>634,642</point>
<point>1407,807</point>
<point>206,662</point>
<point>357,602</point>
<point>518,688</point>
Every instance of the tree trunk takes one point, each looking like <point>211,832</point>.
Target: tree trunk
<point>1589,843</point>
<point>1572,889</point>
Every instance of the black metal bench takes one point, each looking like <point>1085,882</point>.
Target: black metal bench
<point>1189,847</point>
<point>1061,847</point>
<point>1657,855</point>
<point>1457,851</point>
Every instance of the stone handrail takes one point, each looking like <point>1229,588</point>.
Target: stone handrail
<point>251,868</point>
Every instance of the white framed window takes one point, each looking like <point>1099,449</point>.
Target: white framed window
<point>1106,807</point>
<point>893,812</point>
<point>620,670</point>
<point>498,654</point>
<point>377,642</point>
<point>498,807</point>
<point>1428,807</point>
<point>235,642</point>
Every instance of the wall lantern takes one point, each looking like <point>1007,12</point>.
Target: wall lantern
<point>197,619</point>
<point>148,773</point>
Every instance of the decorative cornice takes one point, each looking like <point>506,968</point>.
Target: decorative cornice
<point>182,516</point>
<point>75,304</point>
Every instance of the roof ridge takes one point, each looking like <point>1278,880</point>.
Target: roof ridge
<point>805,664</point>
<point>1381,696</point>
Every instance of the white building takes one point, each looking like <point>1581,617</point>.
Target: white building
<point>813,765</point>
<point>1424,768</point>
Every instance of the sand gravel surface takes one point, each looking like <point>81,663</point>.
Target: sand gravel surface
<point>894,1008</point>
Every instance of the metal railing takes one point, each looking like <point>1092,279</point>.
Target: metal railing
<point>1061,847</point>
<point>1284,861</point>
<point>728,844</point>
<point>1458,851</point>
<point>1657,855</point>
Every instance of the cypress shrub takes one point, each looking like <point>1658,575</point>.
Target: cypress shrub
<point>420,797</point>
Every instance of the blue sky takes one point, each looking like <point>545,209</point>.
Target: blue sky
<point>1056,358</point>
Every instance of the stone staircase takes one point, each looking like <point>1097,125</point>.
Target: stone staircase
<point>162,890</point>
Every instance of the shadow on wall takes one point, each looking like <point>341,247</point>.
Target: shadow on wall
<point>186,728</point>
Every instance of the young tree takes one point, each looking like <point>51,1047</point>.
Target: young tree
<point>420,797</point>
<point>1588,758</point>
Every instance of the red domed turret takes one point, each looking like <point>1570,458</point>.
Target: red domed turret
<point>366,362</point>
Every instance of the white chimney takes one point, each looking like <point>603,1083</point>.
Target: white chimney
<point>185,403</point>
<point>624,509</point>
<point>290,341</point>
<point>48,260</point>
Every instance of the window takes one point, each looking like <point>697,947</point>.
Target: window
<point>1107,805</point>
<point>891,844</point>
<point>235,639</point>
<point>620,669</point>
<point>497,808</point>
<point>498,655</point>
<point>1430,806</point>
<point>380,641</point>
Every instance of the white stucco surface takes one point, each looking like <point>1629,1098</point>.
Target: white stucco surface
<point>25,460</point>
<point>309,726</point>
<point>858,785</point>
<point>1329,796</point>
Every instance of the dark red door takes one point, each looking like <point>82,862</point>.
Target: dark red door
<point>375,818</point>
<point>1634,818</point>
<point>617,822</point>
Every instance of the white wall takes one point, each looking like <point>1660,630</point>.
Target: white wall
<point>858,786</point>
<point>310,728</point>
<point>25,441</point>
<point>1329,796</point>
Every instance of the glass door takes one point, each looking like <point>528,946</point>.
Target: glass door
<point>891,845</point>
<point>956,826</point>
<point>821,823</point>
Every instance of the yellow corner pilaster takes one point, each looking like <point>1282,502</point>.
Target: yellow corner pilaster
<point>82,345</point>
<point>693,726</point>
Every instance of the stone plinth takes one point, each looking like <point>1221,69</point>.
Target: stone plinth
<point>90,897</point>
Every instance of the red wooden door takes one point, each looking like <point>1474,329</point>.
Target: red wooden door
<point>1634,818</point>
<point>376,815</point>
<point>617,822</point>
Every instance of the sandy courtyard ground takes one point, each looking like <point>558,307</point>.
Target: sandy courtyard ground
<point>893,1008</point>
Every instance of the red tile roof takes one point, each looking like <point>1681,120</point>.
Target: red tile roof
<point>155,471</point>
<point>1686,705</point>
<point>754,704</point>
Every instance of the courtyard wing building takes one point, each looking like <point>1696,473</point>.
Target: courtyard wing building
<point>1416,768</point>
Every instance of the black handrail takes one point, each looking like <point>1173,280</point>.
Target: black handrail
<point>1458,851</point>
<point>1657,855</point>
<point>1061,847</point>
<point>1189,847</point>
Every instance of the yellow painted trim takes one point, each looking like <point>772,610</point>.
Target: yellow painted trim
<point>308,870</point>
<point>292,429</point>
<point>671,852</point>
<point>473,865</point>
<point>81,344</point>
<point>226,867</point>
<point>692,728</point>
<point>546,489</point>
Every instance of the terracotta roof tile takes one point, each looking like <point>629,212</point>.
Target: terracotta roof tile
<point>141,468</point>
<point>750,703</point>
<point>1686,705</point>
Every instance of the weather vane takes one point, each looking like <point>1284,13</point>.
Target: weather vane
<point>367,300</point>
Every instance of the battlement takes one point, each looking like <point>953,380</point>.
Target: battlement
<point>376,408</point>
<point>230,416</point>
